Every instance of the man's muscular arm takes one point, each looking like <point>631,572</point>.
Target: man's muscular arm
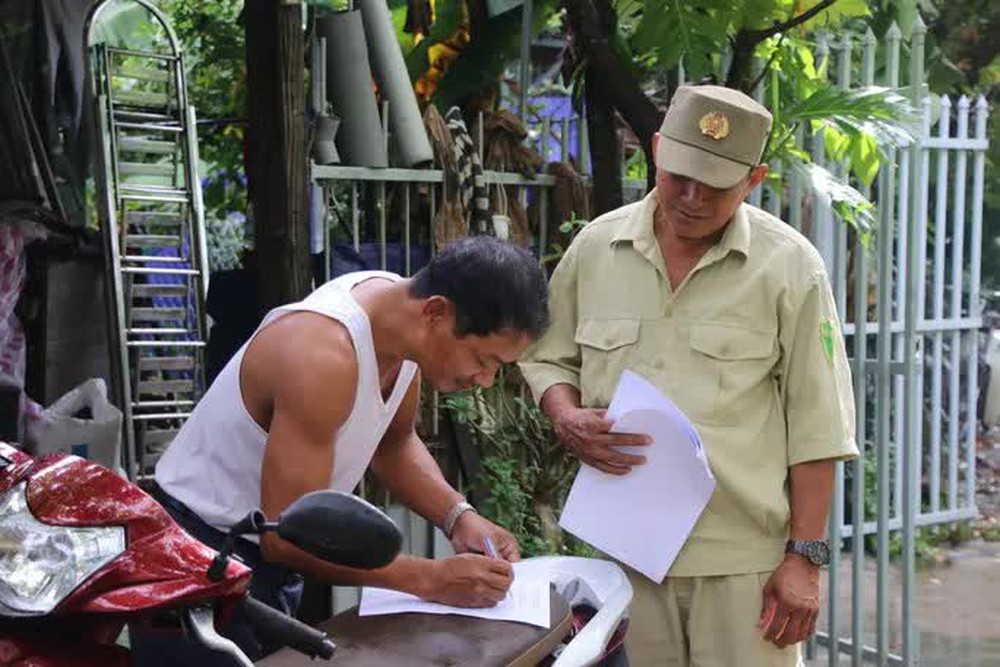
<point>311,369</point>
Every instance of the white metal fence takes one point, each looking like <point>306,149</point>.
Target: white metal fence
<point>912,334</point>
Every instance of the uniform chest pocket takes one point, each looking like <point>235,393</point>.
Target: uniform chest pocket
<point>738,364</point>
<point>732,343</point>
<point>607,347</point>
<point>607,335</point>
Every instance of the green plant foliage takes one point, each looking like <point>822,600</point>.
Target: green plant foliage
<point>859,127</point>
<point>672,32</point>
<point>482,61</point>
<point>212,38</point>
<point>569,228</point>
<point>526,473</point>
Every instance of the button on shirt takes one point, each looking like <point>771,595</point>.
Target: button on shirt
<point>749,346</point>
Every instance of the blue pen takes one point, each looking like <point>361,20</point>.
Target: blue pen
<point>492,553</point>
<point>490,550</point>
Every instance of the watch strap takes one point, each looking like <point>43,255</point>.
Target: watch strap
<point>804,548</point>
<point>457,510</point>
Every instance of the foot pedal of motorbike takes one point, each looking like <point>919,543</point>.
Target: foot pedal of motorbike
<point>200,623</point>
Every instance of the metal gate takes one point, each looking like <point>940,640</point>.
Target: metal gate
<point>911,333</point>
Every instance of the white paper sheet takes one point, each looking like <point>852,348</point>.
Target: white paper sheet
<point>643,518</point>
<point>527,601</point>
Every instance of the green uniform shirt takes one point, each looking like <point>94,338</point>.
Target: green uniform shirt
<point>749,347</point>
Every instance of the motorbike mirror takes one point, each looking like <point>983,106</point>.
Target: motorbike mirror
<point>341,529</point>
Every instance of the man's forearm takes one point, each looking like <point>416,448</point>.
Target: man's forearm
<point>413,477</point>
<point>811,492</point>
<point>405,573</point>
<point>557,398</point>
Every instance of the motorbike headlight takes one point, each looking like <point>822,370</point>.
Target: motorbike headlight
<point>41,564</point>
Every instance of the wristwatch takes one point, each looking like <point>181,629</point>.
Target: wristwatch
<point>457,510</point>
<point>816,552</point>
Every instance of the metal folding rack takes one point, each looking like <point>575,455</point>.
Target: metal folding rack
<point>149,201</point>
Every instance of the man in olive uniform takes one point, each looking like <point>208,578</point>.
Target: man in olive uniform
<point>729,312</point>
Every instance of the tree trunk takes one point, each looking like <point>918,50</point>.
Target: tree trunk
<point>609,80</point>
<point>604,153</point>
<point>276,164</point>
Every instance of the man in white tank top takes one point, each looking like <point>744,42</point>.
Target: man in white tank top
<point>329,387</point>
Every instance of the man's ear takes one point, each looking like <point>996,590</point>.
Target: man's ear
<point>757,176</point>
<point>656,141</point>
<point>437,309</point>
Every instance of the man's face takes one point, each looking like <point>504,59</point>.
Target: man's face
<point>460,363</point>
<point>695,210</point>
<point>456,363</point>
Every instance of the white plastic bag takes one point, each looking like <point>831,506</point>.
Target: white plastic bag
<point>62,428</point>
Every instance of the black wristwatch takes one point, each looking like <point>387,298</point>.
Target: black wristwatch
<point>816,552</point>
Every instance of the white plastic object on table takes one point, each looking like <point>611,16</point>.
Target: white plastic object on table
<point>598,583</point>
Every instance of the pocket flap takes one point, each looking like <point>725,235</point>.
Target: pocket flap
<point>732,342</point>
<point>607,334</point>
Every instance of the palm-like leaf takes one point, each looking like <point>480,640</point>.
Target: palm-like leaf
<point>859,127</point>
<point>880,113</point>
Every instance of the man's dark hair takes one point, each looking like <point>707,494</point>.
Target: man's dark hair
<point>493,284</point>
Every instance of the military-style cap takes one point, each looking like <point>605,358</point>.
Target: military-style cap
<point>712,134</point>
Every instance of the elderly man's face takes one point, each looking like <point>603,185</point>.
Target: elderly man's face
<point>695,210</point>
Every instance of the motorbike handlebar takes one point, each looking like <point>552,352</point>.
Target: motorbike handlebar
<point>287,630</point>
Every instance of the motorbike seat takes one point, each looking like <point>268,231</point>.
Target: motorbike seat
<point>426,640</point>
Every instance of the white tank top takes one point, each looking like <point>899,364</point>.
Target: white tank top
<point>214,463</point>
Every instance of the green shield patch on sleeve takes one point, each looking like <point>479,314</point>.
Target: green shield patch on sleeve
<point>828,338</point>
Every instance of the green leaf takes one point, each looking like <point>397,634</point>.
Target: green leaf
<point>838,144</point>
<point>760,14</point>
<point>677,30</point>
<point>447,19</point>
<point>836,13</point>
<point>486,59</point>
<point>865,159</point>
<point>849,204</point>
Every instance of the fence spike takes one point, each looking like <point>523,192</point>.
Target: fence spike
<point>944,121</point>
<point>844,70</point>
<point>822,45</point>
<point>982,113</point>
<point>962,131</point>
<point>893,38</point>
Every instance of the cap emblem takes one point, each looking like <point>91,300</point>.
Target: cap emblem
<point>714,125</point>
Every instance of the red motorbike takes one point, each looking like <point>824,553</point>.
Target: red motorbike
<point>85,553</point>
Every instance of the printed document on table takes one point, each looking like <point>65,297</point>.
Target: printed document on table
<point>643,518</point>
<point>527,601</point>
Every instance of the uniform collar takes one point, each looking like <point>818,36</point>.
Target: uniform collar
<point>638,229</point>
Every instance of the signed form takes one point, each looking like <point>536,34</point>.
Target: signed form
<point>527,601</point>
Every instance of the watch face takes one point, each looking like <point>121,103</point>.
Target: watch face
<point>818,553</point>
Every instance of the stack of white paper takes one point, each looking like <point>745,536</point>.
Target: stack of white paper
<point>527,601</point>
<point>643,518</point>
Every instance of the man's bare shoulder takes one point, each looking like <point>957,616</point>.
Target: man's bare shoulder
<point>305,356</point>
